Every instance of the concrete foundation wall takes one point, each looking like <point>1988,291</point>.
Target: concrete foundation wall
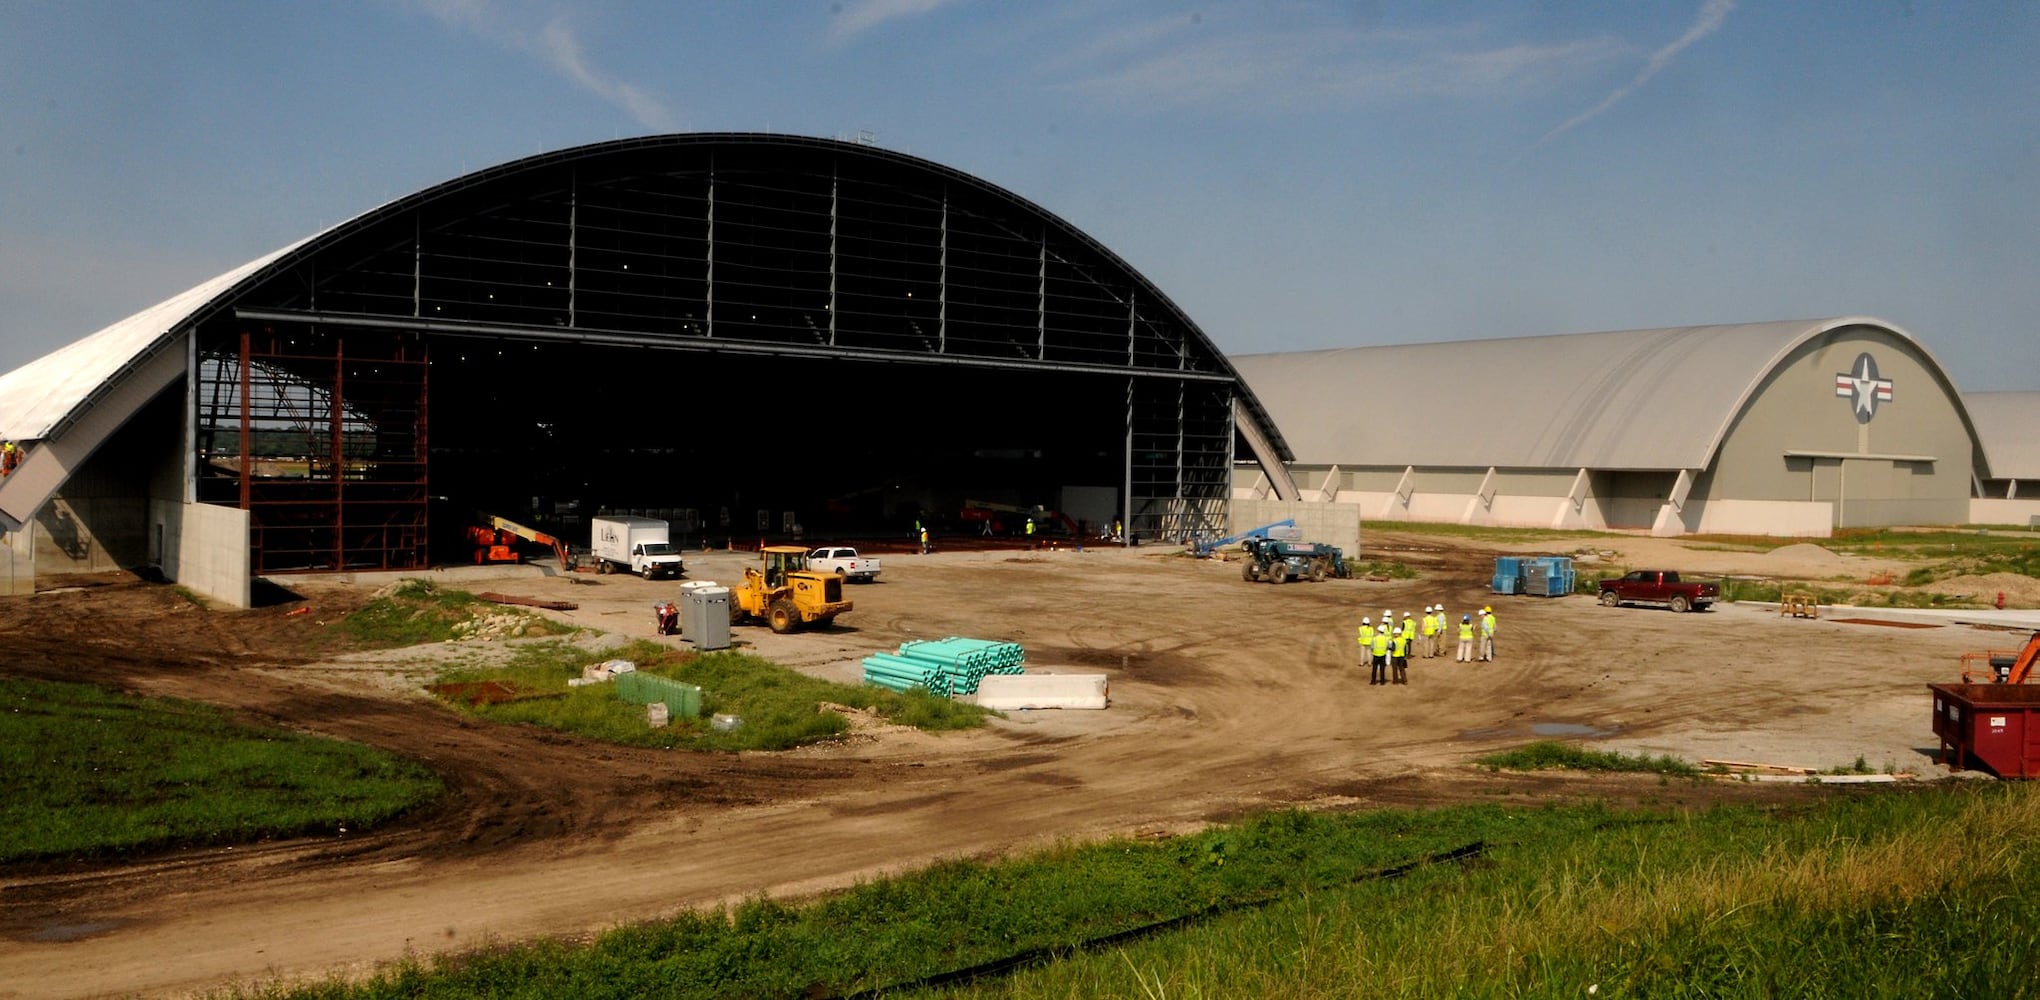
<point>1332,523</point>
<point>1630,512</point>
<point>99,520</point>
<point>1467,508</point>
<point>1777,518</point>
<point>203,547</point>
<point>17,561</point>
<point>1984,510</point>
<point>90,534</point>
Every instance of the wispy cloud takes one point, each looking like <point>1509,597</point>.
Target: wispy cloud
<point>856,18</point>
<point>546,32</point>
<point>1712,14</point>
<point>1237,58</point>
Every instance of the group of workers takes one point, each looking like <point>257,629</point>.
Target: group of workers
<point>1386,647</point>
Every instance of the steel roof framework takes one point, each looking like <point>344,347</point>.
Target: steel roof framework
<point>739,245</point>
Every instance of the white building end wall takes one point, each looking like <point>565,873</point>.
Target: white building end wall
<point>204,547</point>
<point>1331,523</point>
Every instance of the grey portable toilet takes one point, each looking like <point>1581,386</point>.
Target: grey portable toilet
<point>705,617</point>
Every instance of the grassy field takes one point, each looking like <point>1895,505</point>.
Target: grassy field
<point>94,773</point>
<point>1900,893</point>
<point>780,708</point>
<point>1553,755</point>
<point>416,611</point>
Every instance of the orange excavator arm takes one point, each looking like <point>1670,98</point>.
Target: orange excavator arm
<point>534,535</point>
<point>2023,666</point>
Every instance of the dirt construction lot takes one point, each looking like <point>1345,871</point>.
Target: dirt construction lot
<point>1227,697</point>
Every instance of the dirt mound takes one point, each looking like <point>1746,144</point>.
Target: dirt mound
<point>1804,554</point>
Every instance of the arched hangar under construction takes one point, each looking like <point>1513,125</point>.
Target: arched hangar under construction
<point>745,333</point>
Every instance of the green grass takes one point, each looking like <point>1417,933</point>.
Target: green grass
<point>1943,552</point>
<point>780,708</point>
<point>91,772</point>
<point>1553,755</point>
<point>1373,568</point>
<point>418,611</point>
<point>1897,893</point>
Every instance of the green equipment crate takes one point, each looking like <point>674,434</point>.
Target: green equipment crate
<point>682,699</point>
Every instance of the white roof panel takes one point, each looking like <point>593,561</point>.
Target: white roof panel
<point>38,396</point>
<point>2008,427</point>
<point>1627,399</point>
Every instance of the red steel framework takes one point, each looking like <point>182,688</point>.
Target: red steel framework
<point>321,437</point>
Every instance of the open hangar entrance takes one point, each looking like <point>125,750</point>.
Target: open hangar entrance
<point>773,337</point>
<point>381,455</point>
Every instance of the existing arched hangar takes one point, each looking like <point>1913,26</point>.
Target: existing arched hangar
<point>1791,428</point>
<point>764,330</point>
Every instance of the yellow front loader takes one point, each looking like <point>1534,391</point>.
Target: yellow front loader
<point>785,594</point>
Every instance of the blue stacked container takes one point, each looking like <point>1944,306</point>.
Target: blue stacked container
<point>1508,574</point>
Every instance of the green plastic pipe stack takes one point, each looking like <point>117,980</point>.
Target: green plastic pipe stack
<point>954,665</point>
<point>899,673</point>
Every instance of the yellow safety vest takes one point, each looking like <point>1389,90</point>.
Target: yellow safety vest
<point>1409,629</point>
<point>1402,644</point>
<point>1366,635</point>
<point>1487,624</point>
<point>1430,625</point>
<point>1381,643</point>
<point>1465,631</point>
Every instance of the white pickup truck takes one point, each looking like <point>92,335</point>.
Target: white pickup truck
<point>844,562</point>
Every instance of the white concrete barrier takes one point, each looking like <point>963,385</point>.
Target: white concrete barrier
<point>1010,692</point>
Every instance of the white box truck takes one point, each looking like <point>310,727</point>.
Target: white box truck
<point>633,544</point>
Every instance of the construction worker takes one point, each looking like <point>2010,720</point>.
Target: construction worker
<point>1433,624</point>
<point>1465,639</point>
<point>1366,640</point>
<point>1030,532</point>
<point>10,456</point>
<point>1399,653</point>
<point>1380,647</point>
<point>924,541</point>
<point>1408,632</point>
<point>1487,634</point>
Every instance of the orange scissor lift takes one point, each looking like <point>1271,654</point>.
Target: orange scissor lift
<point>2001,666</point>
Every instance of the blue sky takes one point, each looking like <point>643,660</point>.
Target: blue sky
<point>1294,174</point>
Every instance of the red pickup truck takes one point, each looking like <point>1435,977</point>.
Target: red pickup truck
<point>1656,586</point>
